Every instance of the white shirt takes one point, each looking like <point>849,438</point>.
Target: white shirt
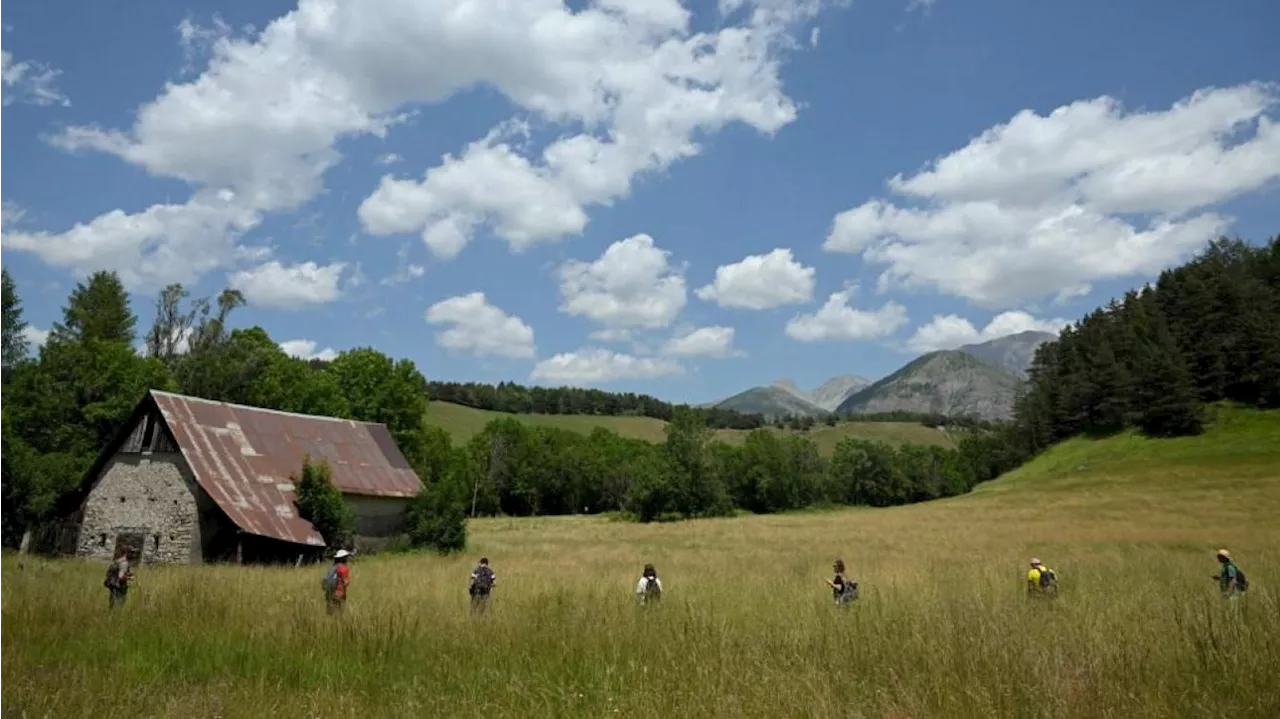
<point>641,583</point>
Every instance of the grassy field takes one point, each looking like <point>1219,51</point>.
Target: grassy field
<point>746,628</point>
<point>465,422</point>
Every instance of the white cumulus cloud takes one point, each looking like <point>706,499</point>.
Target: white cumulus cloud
<point>836,320</point>
<point>945,332</point>
<point>760,282</point>
<point>306,350</point>
<point>713,341</point>
<point>631,285</point>
<point>480,328</point>
<point>633,84</point>
<point>161,244</point>
<point>593,365</point>
<point>35,336</point>
<point>272,284</point>
<point>1046,204</point>
<point>30,82</point>
<point>641,82</point>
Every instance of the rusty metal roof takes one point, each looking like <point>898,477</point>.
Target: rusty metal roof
<point>246,458</point>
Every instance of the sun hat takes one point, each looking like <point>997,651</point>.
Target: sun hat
<point>341,553</point>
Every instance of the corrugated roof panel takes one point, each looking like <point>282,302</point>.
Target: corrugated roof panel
<point>246,457</point>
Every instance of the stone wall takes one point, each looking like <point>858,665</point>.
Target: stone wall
<point>149,493</point>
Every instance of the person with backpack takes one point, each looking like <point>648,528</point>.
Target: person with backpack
<point>1231,580</point>
<point>649,588</point>
<point>481,586</point>
<point>1042,582</point>
<point>336,581</point>
<point>118,577</point>
<point>844,589</point>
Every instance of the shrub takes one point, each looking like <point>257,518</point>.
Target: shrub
<point>321,503</point>
<point>437,519</point>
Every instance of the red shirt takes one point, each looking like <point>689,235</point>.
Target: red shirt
<point>344,578</point>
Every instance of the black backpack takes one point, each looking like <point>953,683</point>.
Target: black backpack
<point>652,590</point>
<point>850,589</point>
<point>115,578</point>
<point>484,580</point>
<point>1048,580</point>
<point>1242,582</point>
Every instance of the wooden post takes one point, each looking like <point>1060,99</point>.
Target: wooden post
<point>495,459</point>
<point>23,549</point>
<point>239,547</point>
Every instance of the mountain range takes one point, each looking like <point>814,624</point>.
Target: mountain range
<point>784,398</point>
<point>979,380</point>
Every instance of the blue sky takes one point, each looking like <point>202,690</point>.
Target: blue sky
<point>679,200</point>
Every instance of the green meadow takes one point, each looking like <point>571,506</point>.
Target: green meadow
<point>746,627</point>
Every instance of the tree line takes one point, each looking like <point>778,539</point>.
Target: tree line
<point>516,398</point>
<point>804,422</point>
<point>1204,332</point>
<point>518,469</point>
<point>67,400</point>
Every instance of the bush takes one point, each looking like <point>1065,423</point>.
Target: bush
<point>437,519</point>
<point>320,503</point>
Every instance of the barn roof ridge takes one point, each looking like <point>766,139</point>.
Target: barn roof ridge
<point>252,408</point>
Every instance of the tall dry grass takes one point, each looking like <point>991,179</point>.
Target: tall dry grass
<point>746,627</point>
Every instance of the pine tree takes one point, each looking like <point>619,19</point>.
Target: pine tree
<point>97,311</point>
<point>1166,396</point>
<point>15,339</point>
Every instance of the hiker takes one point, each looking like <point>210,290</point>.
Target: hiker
<point>1231,580</point>
<point>843,589</point>
<point>118,577</point>
<point>649,588</point>
<point>336,581</point>
<point>1042,582</point>
<point>481,586</point>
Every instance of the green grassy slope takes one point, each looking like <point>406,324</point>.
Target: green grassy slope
<point>1240,449</point>
<point>463,423</point>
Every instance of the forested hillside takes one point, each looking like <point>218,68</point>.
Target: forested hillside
<point>1205,332</point>
<point>515,398</point>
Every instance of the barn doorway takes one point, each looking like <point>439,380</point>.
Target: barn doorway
<point>132,542</point>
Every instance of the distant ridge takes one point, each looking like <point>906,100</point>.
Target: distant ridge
<point>979,380</point>
<point>947,382</point>
<point>784,398</point>
<point>1013,353</point>
<point>772,401</point>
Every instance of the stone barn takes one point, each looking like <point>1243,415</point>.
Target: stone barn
<point>191,480</point>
